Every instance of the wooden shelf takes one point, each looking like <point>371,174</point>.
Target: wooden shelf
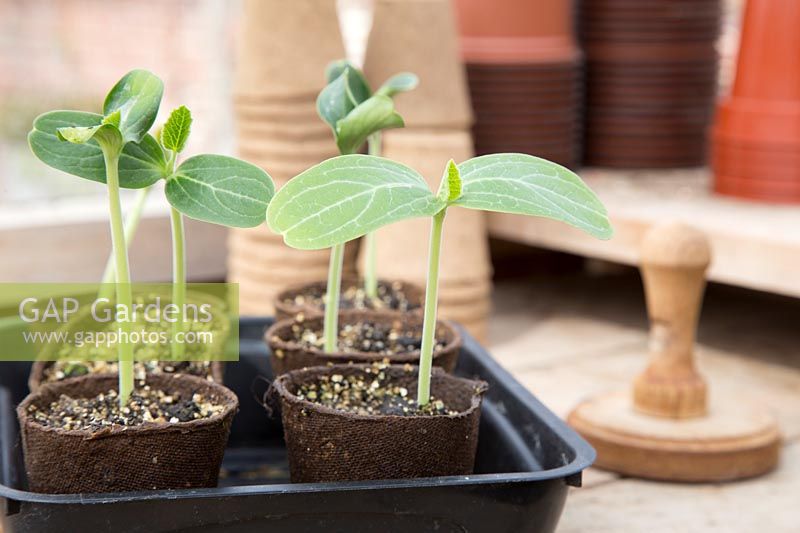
<point>755,245</point>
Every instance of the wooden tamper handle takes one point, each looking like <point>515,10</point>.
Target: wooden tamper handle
<point>674,259</point>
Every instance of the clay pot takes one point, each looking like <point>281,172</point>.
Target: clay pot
<point>285,306</point>
<point>325,444</point>
<point>516,31</point>
<point>757,131</point>
<point>288,355</point>
<point>146,457</point>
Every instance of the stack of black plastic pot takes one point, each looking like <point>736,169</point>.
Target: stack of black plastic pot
<point>651,80</point>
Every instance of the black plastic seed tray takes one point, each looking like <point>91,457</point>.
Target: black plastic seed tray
<point>527,459</point>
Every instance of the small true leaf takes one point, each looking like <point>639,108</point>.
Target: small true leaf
<point>528,185</point>
<point>113,119</point>
<point>137,97</point>
<point>399,83</point>
<point>140,165</point>
<point>221,189</point>
<point>375,114</point>
<point>450,187</point>
<point>176,129</point>
<point>346,197</point>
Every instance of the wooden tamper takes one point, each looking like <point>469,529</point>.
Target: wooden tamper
<point>669,427</point>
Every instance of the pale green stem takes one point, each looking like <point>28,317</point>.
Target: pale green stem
<point>178,280</point>
<point>332,298</point>
<point>371,266</point>
<point>131,225</point>
<point>124,294</point>
<point>429,320</point>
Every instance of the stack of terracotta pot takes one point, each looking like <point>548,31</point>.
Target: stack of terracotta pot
<point>279,73</point>
<point>525,77</point>
<point>756,139</point>
<point>421,37</point>
<point>651,80</point>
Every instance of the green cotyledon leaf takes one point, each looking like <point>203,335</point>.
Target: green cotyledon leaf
<point>399,83</point>
<point>140,165</point>
<point>137,97</point>
<point>222,190</point>
<point>334,102</point>
<point>528,185</point>
<point>346,197</point>
<point>356,82</point>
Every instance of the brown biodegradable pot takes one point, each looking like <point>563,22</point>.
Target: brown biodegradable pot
<point>146,457</point>
<point>36,378</point>
<point>288,355</point>
<point>286,307</point>
<point>325,444</point>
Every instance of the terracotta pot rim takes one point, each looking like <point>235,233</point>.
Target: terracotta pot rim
<point>489,50</point>
<point>759,121</point>
<point>229,400</point>
<point>480,387</point>
<point>453,345</point>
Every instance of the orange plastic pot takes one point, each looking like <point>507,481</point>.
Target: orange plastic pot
<point>756,152</point>
<point>755,165</point>
<point>767,66</point>
<point>516,31</point>
<point>759,121</point>
<point>773,191</point>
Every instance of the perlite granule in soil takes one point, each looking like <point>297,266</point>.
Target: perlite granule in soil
<point>370,393</point>
<point>146,405</point>
<point>365,336</point>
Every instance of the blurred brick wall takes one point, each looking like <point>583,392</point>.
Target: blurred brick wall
<point>68,53</point>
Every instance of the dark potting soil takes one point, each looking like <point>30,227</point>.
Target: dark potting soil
<point>146,405</point>
<point>366,336</point>
<point>59,370</point>
<point>391,296</point>
<point>369,394</point>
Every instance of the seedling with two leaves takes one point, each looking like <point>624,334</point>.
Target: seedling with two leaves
<point>115,149</point>
<point>356,115</point>
<point>348,196</point>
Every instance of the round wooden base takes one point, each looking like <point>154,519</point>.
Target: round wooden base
<point>733,441</point>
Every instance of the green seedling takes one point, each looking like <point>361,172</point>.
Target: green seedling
<point>114,148</point>
<point>356,115</point>
<point>349,196</point>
